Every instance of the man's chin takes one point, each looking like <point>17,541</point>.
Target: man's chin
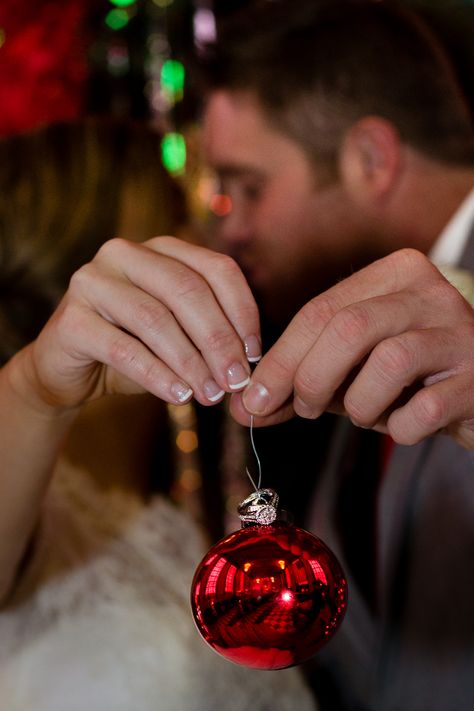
<point>278,307</point>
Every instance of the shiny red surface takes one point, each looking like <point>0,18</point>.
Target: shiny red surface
<point>269,597</point>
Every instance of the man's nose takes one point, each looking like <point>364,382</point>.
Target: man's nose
<point>235,227</point>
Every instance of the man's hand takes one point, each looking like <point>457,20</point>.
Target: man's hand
<point>391,347</point>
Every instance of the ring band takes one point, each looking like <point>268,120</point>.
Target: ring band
<point>260,507</point>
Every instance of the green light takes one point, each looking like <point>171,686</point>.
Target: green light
<point>173,152</point>
<point>172,79</point>
<point>116,19</point>
<point>122,3</point>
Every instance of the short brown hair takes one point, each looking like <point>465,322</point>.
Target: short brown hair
<point>317,67</point>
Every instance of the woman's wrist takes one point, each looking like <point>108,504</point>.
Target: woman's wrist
<point>21,379</point>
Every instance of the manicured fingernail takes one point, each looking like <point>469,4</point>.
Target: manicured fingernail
<point>181,392</point>
<point>303,409</point>
<point>237,376</point>
<point>253,349</point>
<point>256,398</point>
<point>212,391</point>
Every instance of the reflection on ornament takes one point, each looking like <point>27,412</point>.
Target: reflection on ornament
<point>268,596</point>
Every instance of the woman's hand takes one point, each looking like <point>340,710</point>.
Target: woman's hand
<point>165,316</point>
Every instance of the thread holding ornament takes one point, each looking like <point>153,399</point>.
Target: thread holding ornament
<point>271,594</point>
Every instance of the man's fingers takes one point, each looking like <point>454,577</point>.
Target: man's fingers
<point>402,269</point>
<point>396,364</point>
<point>272,381</point>
<point>334,332</point>
<point>446,404</point>
<point>241,414</point>
<point>377,329</point>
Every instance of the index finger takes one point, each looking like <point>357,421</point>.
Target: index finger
<point>272,381</point>
<point>227,282</point>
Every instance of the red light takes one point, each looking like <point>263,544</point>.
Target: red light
<point>220,205</point>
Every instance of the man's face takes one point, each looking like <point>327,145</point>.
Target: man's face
<point>292,238</point>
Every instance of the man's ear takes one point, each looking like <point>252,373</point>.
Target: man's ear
<point>371,158</point>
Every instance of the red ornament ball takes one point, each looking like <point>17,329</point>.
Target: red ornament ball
<point>268,596</point>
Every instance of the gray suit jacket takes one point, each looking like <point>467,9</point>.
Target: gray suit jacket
<point>416,651</point>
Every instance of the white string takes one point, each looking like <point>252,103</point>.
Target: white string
<point>256,457</point>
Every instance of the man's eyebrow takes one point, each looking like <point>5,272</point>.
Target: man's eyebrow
<point>228,170</point>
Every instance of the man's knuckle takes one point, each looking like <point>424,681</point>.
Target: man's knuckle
<point>394,360</point>
<point>355,410</point>
<point>351,325</point>
<point>280,365</point>
<point>410,260</point>
<point>314,315</point>
<point>429,408</point>
<point>306,383</point>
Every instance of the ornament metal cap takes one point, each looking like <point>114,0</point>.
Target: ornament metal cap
<point>259,508</point>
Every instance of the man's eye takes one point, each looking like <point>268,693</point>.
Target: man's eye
<point>239,189</point>
<point>251,191</point>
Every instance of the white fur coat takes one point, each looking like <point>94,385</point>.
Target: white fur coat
<point>100,619</point>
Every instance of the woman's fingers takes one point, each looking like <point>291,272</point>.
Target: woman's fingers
<point>130,358</point>
<point>227,282</point>
<point>158,322</point>
<point>187,295</point>
<point>74,374</point>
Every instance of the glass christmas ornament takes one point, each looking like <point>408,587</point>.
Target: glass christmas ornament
<point>269,595</point>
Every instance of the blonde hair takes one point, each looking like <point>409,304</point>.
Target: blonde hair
<point>64,190</point>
